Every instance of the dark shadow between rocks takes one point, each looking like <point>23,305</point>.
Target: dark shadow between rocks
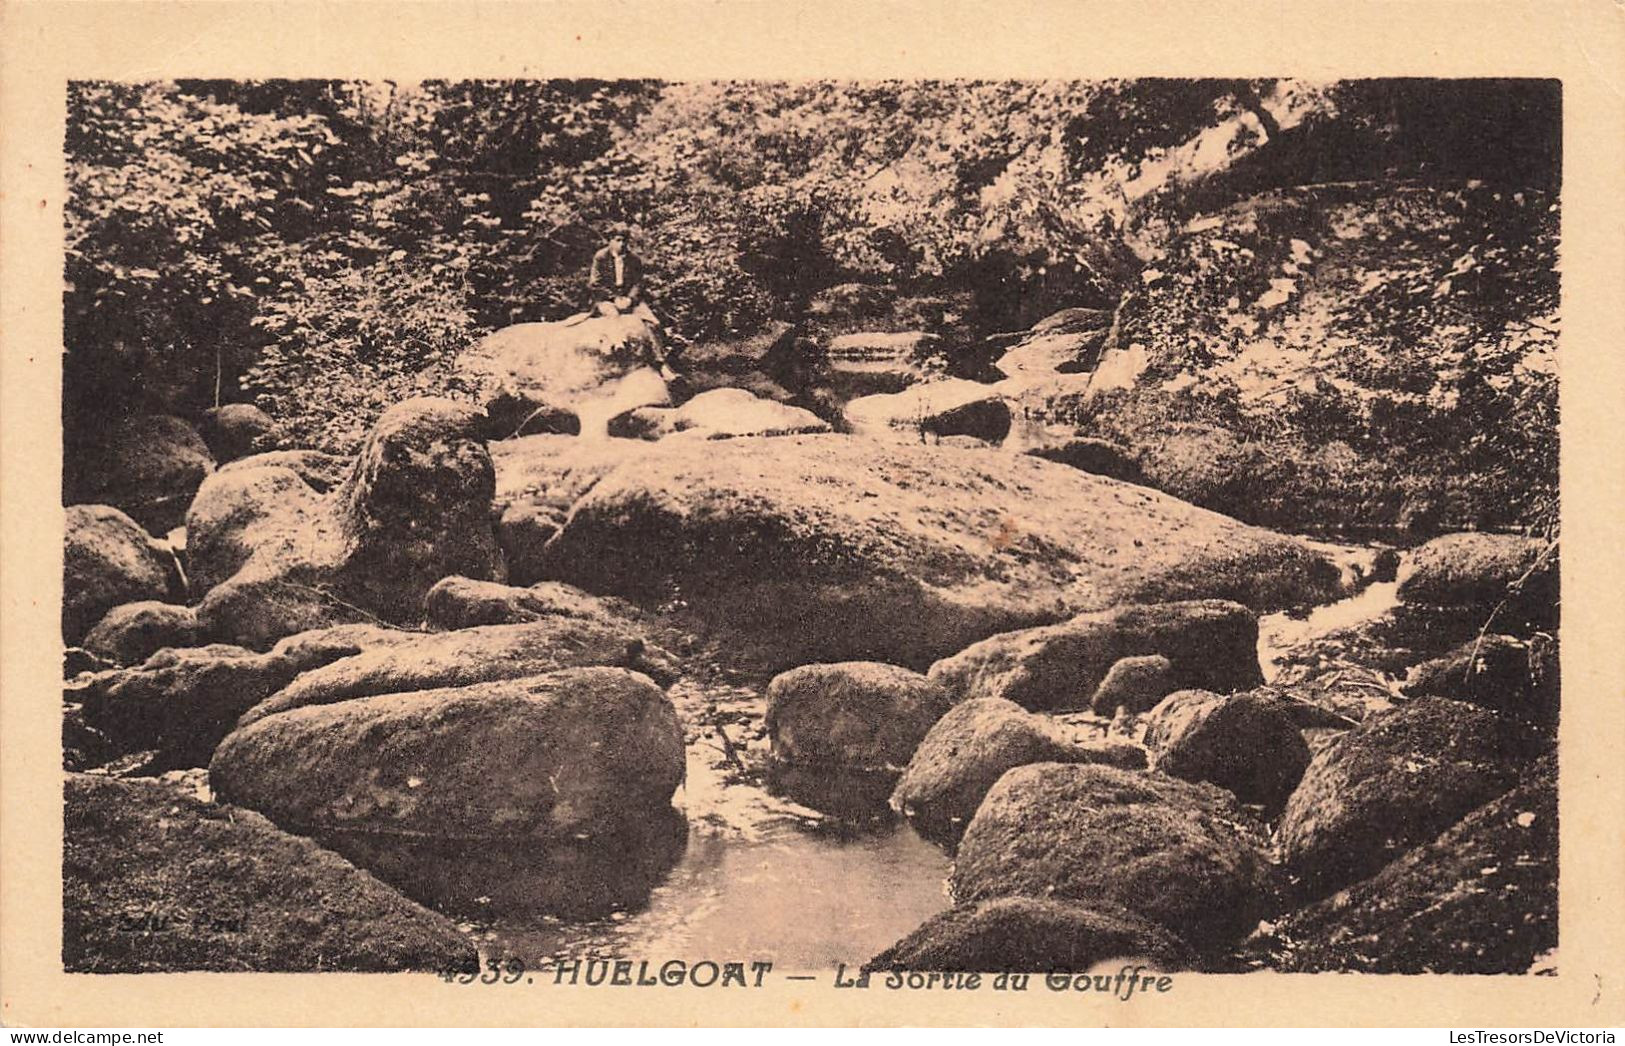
<point>857,797</point>
<point>490,878</point>
<point>939,830</point>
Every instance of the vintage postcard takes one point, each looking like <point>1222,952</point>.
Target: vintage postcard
<point>895,514</point>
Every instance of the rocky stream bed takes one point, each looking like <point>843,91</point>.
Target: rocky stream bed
<point>747,685</point>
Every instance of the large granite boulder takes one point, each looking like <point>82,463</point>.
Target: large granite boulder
<point>236,430</point>
<point>842,549</point>
<point>239,510</point>
<point>523,530</point>
<point>323,646</point>
<point>130,633</point>
<point>1209,644</point>
<point>953,407</point>
<point>1028,934</point>
<point>460,602</point>
<point>1481,898</point>
<point>156,881</point>
<point>724,413</point>
<point>256,612</point>
<point>277,557</point>
<point>1135,684</point>
<point>1395,782</point>
<point>147,465</point>
<point>1502,673</point>
<point>436,660</point>
<point>855,715</point>
<point>1249,744</point>
<point>539,480</point>
<point>600,872</point>
<point>109,560</point>
<point>1512,576</point>
<point>1182,855</point>
<point>320,471</point>
<point>594,369</point>
<point>547,756</point>
<point>180,703</point>
<point>974,745</point>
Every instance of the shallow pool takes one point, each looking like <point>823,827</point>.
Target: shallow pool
<point>758,878</point>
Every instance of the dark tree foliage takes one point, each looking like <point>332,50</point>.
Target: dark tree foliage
<point>325,248</point>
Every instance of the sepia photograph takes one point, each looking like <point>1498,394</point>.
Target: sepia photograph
<point>585,536</point>
<point>965,526</point>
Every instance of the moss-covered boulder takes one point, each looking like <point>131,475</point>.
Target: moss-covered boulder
<point>1508,575</point>
<point>179,704</point>
<point>1209,644</point>
<point>435,660</point>
<point>974,745</point>
<point>547,756</point>
<point>1481,898</point>
<point>1394,783</point>
<point>1015,934</point>
<point>853,715</point>
<point>1181,855</point>
<point>276,556</point>
<point>109,560</point>
<point>132,632</point>
<point>1249,744</point>
<point>156,881</point>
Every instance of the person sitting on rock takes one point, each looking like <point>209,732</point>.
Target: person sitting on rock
<point>615,288</point>
<point>615,280</point>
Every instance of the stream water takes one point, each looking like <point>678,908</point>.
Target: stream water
<point>757,878</point>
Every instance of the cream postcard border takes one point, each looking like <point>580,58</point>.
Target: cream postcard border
<point>43,45</point>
